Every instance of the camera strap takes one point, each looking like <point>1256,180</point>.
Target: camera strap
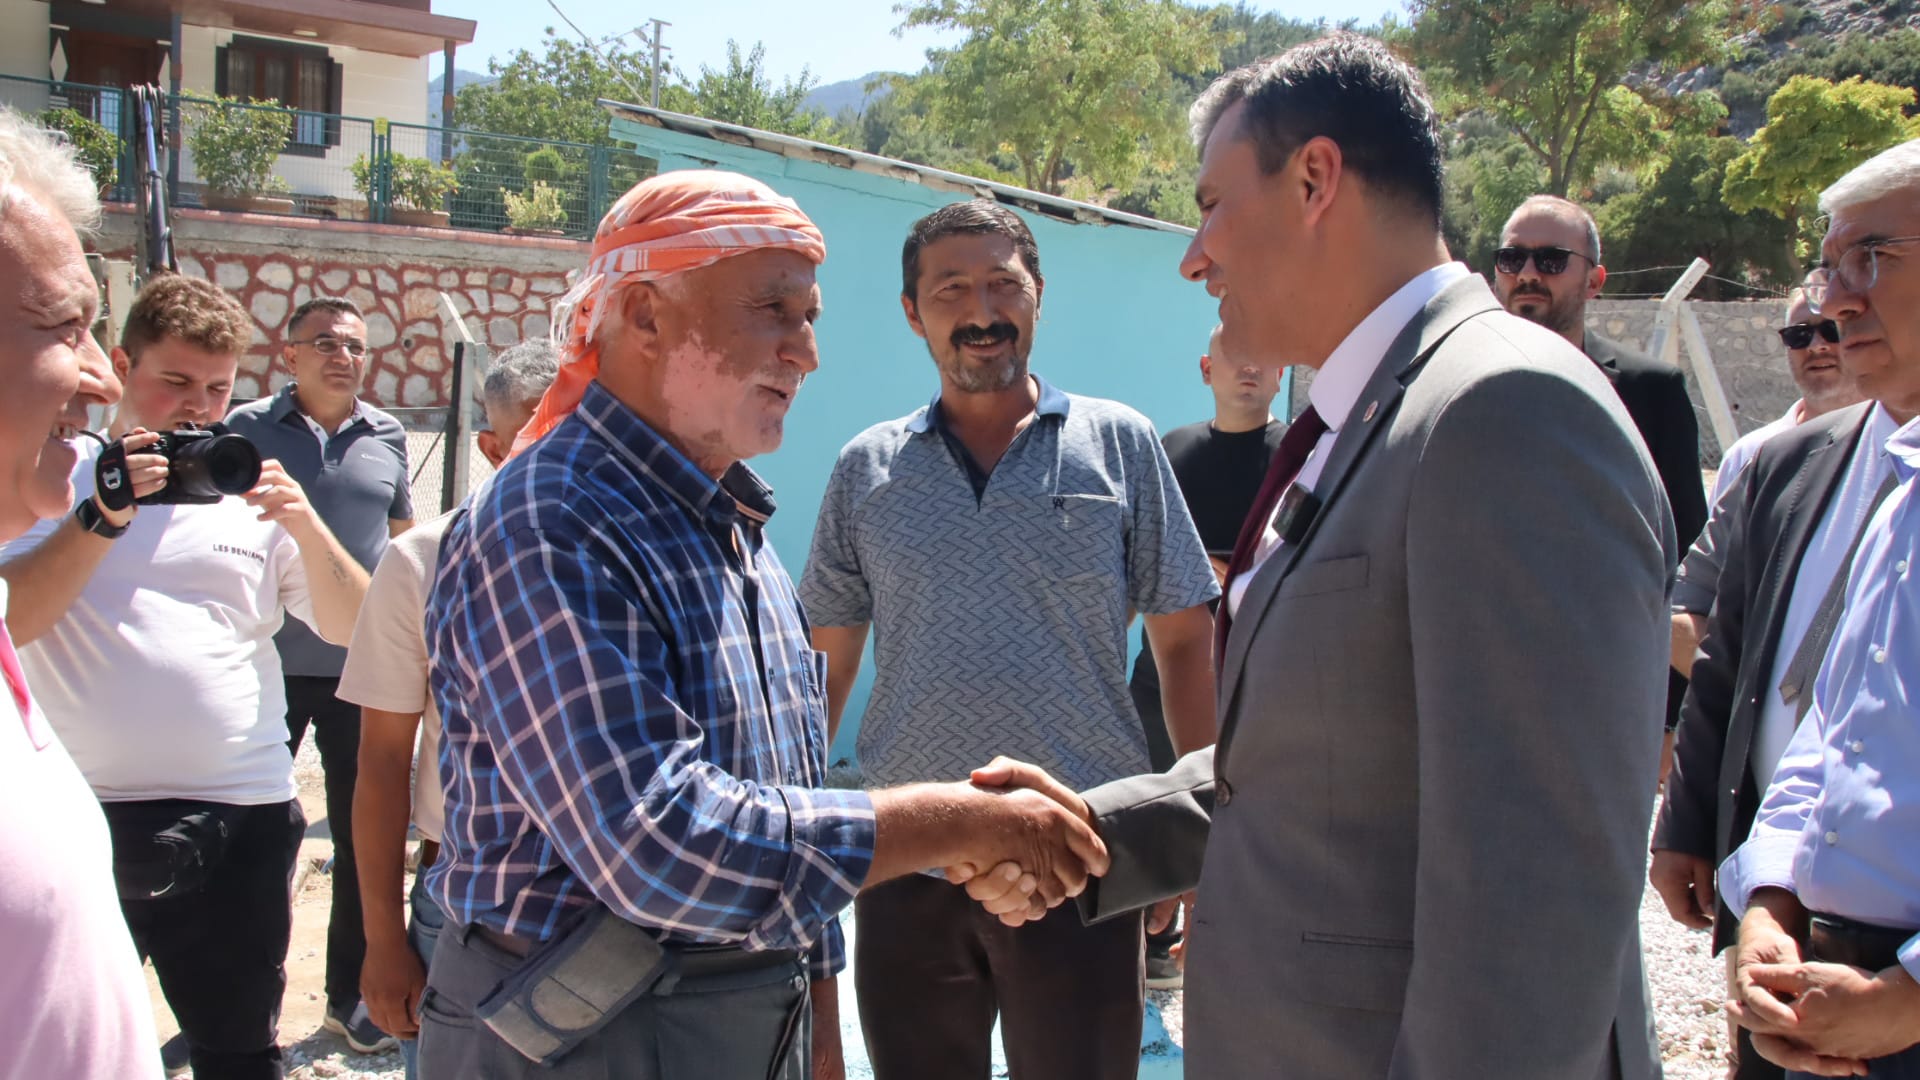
<point>110,479</point>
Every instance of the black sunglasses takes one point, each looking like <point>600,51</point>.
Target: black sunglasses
<point>1548,260</point>
<point>1800,335</point>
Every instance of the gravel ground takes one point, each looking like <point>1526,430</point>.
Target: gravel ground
<point>1687,984</point>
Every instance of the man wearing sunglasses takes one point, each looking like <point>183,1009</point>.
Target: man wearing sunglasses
<point>352,460</point>
<point>1546,270</point>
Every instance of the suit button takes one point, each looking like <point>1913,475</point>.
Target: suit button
<point>1879,656</point>
<point>1858,747</point>
<point>1832,838</point>
<point>1222,792</point>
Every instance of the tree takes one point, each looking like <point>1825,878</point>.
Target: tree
<point>1552,70</point>
<point>1059,83</point>
<point>1678,215</point>
<point>1891,58</point>
<point>1816,131</point>
<point>555,95</point>
<point>744,94</point>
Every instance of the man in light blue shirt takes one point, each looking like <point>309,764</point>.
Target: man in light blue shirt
<point>1828,883</point>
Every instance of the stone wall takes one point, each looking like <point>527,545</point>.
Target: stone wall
<point>502,287</point>
<point>1747,356</point>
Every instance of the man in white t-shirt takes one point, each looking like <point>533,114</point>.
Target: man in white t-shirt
<point>72,1000</point>
<point>386,675</point>
<point>148,636</point>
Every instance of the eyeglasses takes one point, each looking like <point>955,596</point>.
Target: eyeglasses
<point>327,346</point>
<point>1857,269</point>
<point>1800,335</point>
<point>1548,260</point>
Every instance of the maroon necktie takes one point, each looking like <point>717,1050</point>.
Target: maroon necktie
<point>1295,445</point>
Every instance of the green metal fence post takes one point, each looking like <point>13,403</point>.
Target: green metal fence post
<point>382,171</point>
<point>597,188</point>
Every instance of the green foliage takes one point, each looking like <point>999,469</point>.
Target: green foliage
<point>413,183</point>
<point>1551,70</point>
<point>546,166</point>
<point>554,94</point>
<point>235,144</point>
<point>1816,131</point>
<point>1060,85</point>
<point>538,209</point>
<point>98,149</point>
<point>1678,215</point>
<point>744,94</point>
<point>1484,186</point>
<point>1891,58</point>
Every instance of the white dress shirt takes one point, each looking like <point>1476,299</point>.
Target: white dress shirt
<point>1840,822</point>
<point>1336,389</point>
<point>1845,517</point>
<point>1740,454</point>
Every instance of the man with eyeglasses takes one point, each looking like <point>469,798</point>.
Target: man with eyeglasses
<point>1788,501</point>
<point>352,460</point>
<point>1546,270</point>
<point>1826,884</point>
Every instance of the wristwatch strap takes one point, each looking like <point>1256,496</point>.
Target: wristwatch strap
<point>89,516</point>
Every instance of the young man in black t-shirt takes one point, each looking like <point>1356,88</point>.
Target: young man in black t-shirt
<point>1219,464</point>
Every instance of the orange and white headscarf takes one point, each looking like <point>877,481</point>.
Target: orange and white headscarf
<point>666,225</point>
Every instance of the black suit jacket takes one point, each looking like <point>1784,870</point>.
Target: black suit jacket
<point>1780,500</point>
<point>1655,394</point>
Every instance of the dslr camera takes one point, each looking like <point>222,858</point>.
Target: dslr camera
<point>204,465</point>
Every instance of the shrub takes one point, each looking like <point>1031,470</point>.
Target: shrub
<point>235,144</point>
<point>538,209</point>
<point>98,148</point>
<point>413,183</point>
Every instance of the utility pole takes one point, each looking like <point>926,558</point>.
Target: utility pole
<point>654,40</point>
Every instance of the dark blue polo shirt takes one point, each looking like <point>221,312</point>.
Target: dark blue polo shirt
<point>357,484</point>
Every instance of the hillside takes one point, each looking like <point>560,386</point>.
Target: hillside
<point>851,94</point>
<point>461,80</point>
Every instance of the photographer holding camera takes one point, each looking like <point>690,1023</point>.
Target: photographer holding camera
<point>148,635</point>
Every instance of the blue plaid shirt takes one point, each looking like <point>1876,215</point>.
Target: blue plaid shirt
<point>633,710</point>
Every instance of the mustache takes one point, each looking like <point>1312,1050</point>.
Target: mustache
<point>992,334</point>
<point>1532,290</point>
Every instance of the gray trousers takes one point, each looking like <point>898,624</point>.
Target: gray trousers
<point>726,1027</point>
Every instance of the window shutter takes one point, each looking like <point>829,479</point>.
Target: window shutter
<point>335,83</point>
<point>220,71</point>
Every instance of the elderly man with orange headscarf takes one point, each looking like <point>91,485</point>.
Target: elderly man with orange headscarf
<point>641,866</point>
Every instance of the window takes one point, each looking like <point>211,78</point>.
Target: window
<point>301,77</point>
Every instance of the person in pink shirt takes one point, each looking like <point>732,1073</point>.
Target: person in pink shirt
<point>73,1002</point>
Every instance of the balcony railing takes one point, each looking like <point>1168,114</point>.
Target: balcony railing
<point>318,171</point>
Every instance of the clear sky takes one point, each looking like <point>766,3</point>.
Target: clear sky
<point>835,39</point>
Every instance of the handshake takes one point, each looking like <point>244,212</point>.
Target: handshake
<point>1019,840</point>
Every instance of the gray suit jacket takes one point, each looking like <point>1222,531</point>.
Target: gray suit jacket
<point>1425,821</point>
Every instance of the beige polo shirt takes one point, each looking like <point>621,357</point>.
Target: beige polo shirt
<point>386,664</point>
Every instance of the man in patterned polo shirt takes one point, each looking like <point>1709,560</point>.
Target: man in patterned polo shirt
<point>1001,538</point>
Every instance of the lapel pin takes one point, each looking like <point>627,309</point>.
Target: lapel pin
<point>1372,407</point>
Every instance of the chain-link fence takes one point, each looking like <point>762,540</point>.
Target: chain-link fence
<point>502,182</point>
<point>98,120</point>
<point>431,457</point>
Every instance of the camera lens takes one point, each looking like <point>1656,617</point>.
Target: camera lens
<point>211,467</point>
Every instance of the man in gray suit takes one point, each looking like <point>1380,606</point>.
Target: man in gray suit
<point>1445,662</point>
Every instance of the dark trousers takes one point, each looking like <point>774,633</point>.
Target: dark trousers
<point>739,1026</point>
<point>932,969</point>
<point>336,729</point>
<point>221,951</point>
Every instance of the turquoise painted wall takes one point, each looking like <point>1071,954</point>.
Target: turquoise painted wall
<point>1116,321</point>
